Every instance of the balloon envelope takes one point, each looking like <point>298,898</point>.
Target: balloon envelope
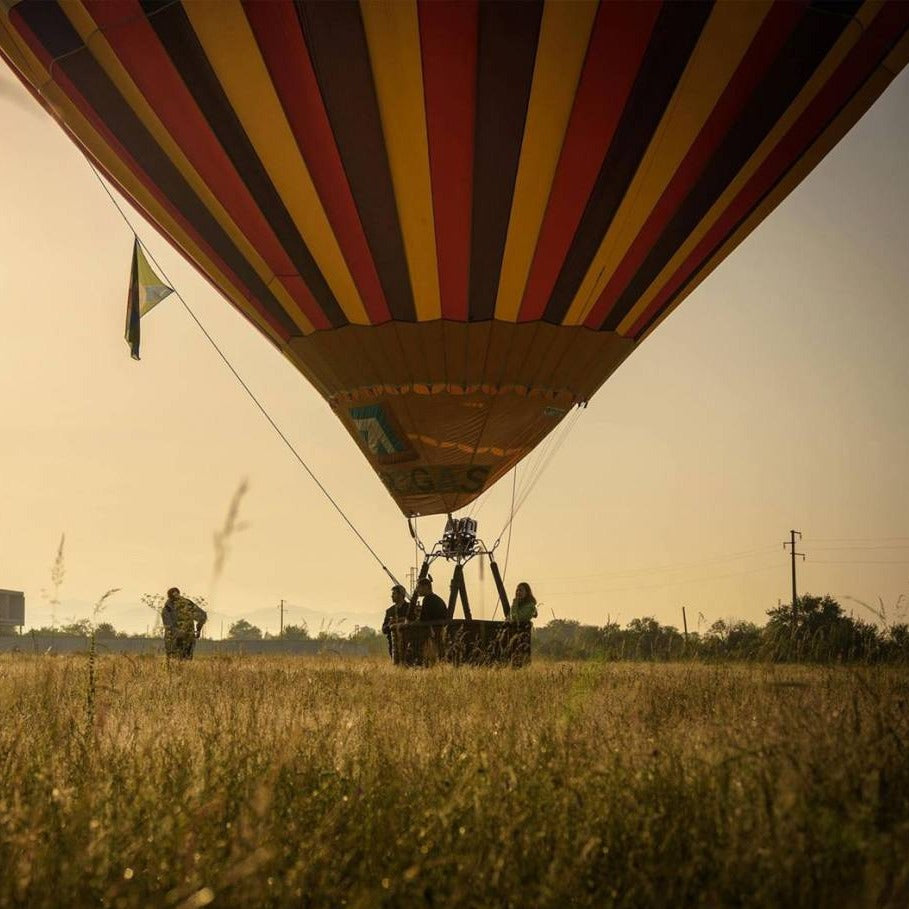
<point>455,219</point>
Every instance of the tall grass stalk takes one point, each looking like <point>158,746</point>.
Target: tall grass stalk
<point>92,654</point>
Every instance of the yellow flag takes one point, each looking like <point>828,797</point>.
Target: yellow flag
<point>146,290</point>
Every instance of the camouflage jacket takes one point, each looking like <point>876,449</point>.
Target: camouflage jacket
<point>181,617</point>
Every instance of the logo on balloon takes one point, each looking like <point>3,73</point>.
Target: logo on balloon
<point>380,433</point>
<point>415,481</point>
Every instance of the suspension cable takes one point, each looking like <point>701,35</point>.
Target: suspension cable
<point>538,469</point>
<point>243,384</point>
<point>514,480</point>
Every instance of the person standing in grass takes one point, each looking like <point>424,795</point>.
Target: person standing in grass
<point>432,607</point>
<point>523,606</point>
<point>521,615</point>
<point>183,621</point>
<point>395,615</point>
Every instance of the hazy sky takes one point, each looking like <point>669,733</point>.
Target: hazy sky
<point>775,397</point>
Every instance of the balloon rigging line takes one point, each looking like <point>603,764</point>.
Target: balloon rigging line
<point>531,474</point>
<point>539,468</point>
<point>546,459</point>
<point>514,480</point>
<point>478,503</point>
<point>536,468</point>
<point>548,455</point>
<point>246,388</point>
<point>535,472</point>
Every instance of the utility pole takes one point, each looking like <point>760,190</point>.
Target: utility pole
<point>281,634</point>
<point>792,535</point>
<point>685,623</point>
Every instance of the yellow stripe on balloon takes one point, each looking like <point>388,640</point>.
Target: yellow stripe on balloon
<point>232,51</point>
<point>847,40</point>
<point>564,36</point>
<point>107,59</point>
<point>723,43</point>
<point>393,36</point>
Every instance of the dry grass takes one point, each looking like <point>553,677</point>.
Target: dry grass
<point>287,781</point>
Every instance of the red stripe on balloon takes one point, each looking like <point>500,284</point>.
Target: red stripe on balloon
<point>448,40</point>
<point>618,42</point>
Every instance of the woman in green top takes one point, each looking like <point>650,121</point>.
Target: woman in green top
<point>523,606</point>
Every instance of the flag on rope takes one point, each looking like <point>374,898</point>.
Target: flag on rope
<point>145,290</point>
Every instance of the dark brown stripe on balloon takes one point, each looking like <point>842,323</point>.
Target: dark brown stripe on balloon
<point>507,46</point>
<point>809,43</point>
<point>340,56</point>
<point>52,28</point>
<point>178,38</point>
<point>674,37</point>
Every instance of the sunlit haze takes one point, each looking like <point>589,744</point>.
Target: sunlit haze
<point>774,398</point>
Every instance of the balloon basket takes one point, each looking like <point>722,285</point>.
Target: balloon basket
<point>470,642</point>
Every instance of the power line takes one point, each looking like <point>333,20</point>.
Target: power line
<point>679,582</point>
<point>857,562</point>
<point>813,540</point>
<point>859,548</point>
<point>681,566</point>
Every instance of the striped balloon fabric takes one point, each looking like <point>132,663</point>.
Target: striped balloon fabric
<point>455,218</point>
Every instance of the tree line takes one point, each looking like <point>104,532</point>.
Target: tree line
<point>816,629</point>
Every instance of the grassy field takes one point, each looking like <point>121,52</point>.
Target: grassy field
<point>291,781</point>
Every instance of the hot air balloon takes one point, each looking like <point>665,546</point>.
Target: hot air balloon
<point>456,219</point>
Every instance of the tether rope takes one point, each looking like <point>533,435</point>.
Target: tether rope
<point>245,387</point>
